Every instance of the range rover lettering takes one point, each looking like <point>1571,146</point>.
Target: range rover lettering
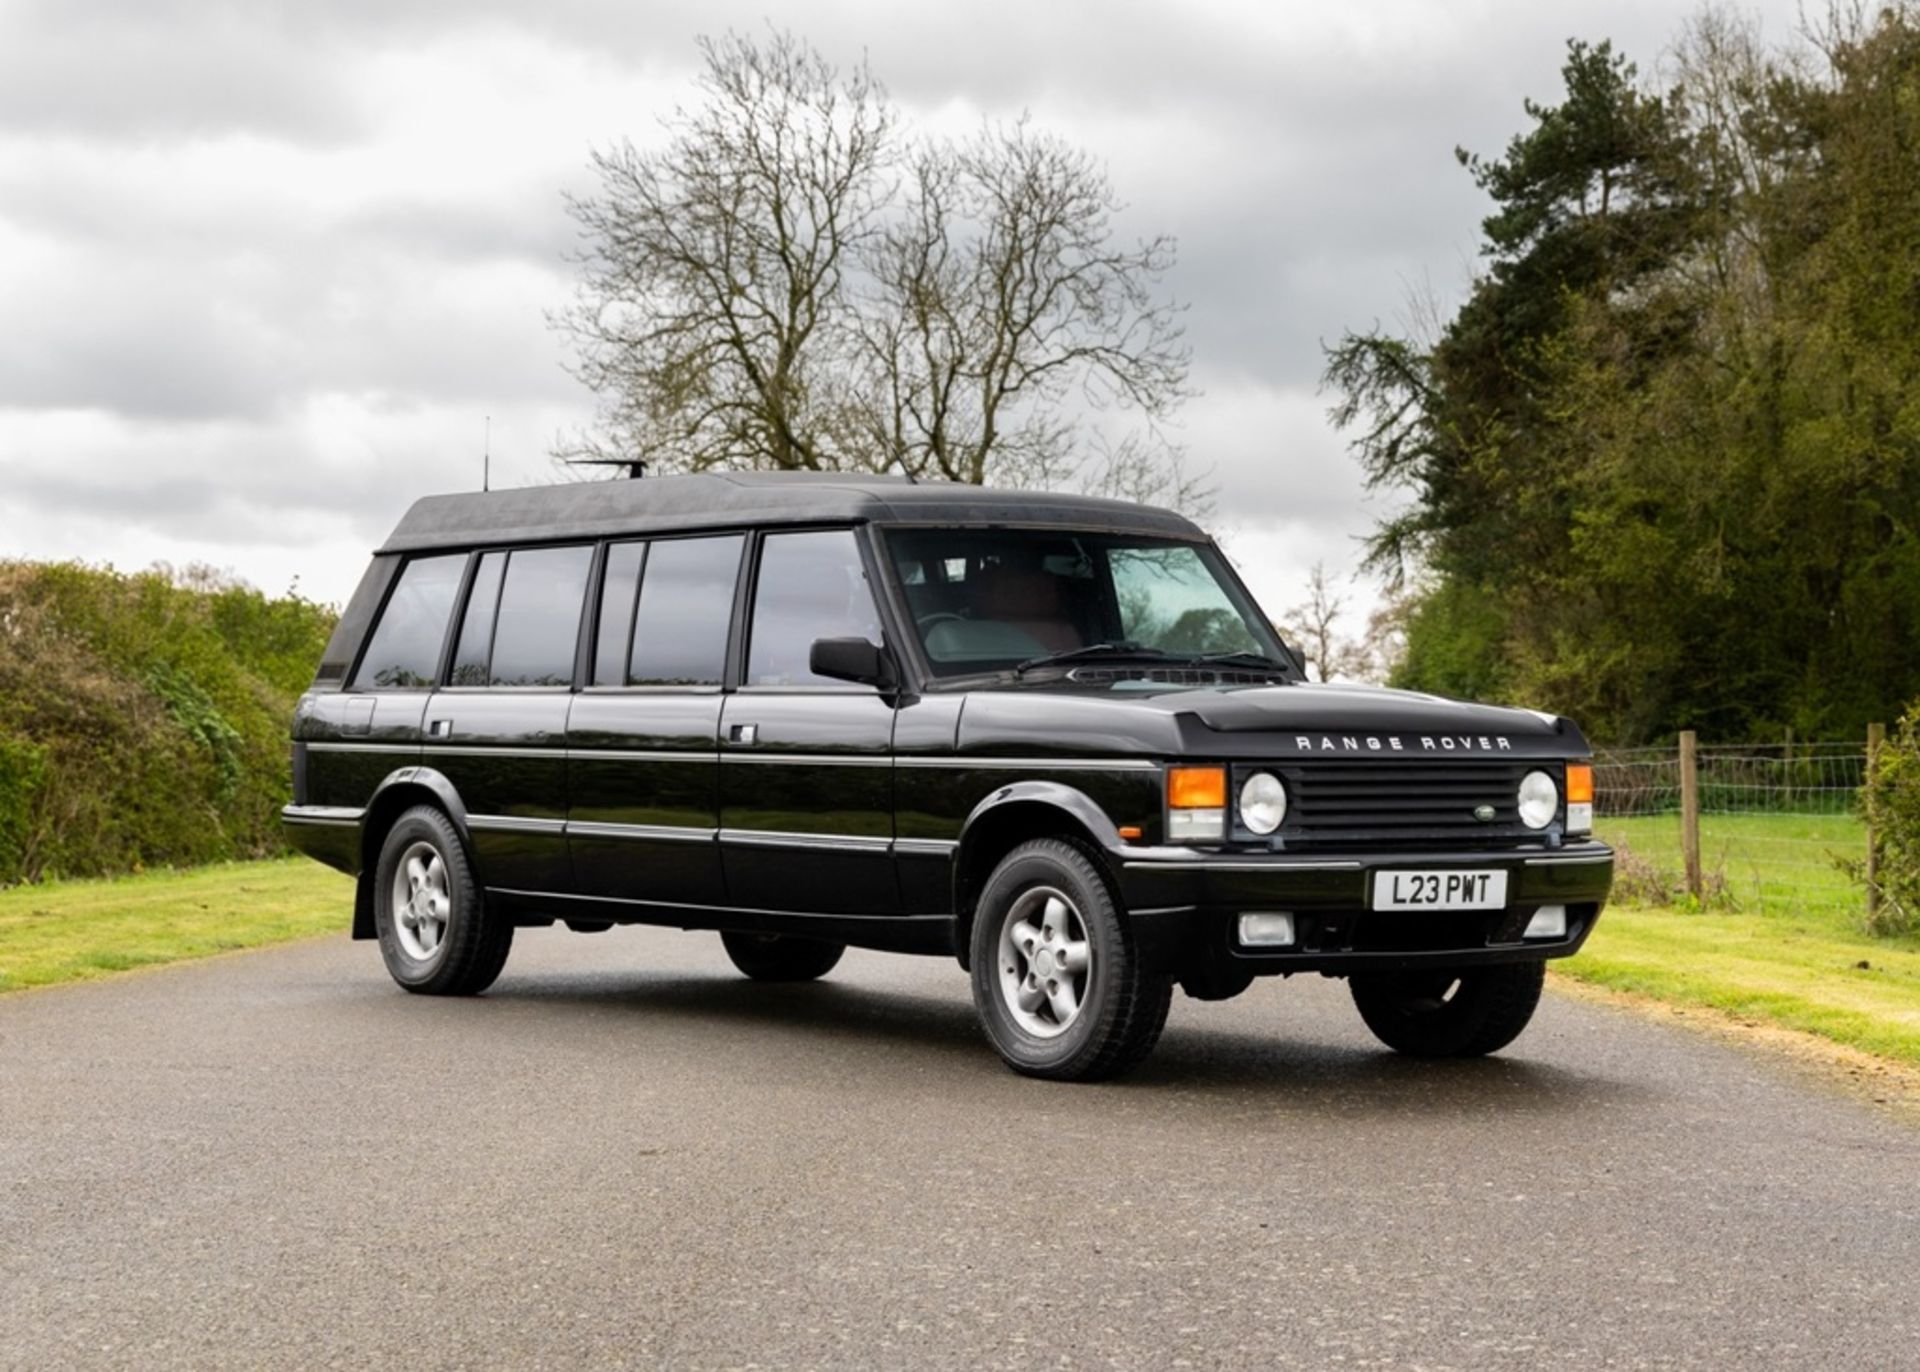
<point>1051,737</point>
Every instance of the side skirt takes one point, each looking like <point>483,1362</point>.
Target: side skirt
<point>928,935</point>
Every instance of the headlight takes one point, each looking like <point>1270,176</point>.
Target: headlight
<point>1263,802</point>
<point>1539,800</point>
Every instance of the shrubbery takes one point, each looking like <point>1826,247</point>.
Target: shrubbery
<point>1891,802</point>
<point>143,718</point>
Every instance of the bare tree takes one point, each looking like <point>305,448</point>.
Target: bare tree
<point>715,270</point>
<point>793,282</point>
<point>1002,294</point>
<point>1314,627</point>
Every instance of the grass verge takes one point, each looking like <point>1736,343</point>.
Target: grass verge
<point>1813,971</point>
<point>76,931</point>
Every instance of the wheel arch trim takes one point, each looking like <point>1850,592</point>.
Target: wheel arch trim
<point>397,792</point>
<point>1080,810</point>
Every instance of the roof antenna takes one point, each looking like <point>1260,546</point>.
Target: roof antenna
<point>486,457</point>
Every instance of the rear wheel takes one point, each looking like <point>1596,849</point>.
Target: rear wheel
<point>782,957</point>
<point>436,934</point>
<point>1456,1014</point>
<point>1057,980</point>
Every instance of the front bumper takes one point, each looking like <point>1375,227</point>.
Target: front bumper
<point>1184,904</point>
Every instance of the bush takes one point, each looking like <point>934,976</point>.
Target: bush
<point>1890,803</point>
<point>143,718</point>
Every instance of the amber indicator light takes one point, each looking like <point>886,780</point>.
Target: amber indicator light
<point>1579,784</point>
<point>1197,788</point>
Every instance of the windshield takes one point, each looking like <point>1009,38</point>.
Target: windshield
<point>988,600</point>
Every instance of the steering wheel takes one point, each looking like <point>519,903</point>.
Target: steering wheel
<point>927,621</point>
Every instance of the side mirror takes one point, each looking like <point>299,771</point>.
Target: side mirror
<point>851,659</point>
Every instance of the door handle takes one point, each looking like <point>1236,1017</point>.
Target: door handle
<point>440,728</point>
<point>743,733</point>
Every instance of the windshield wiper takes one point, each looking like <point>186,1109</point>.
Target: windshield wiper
<point>1243,659</point>
<point>1122,648</point>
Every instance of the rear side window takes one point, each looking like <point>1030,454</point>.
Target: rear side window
<point>686,608</point>
<point>538,623</point>
<point>404,652</point>
<point>811,585</point>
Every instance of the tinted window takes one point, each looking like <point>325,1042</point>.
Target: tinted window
<point>405,649</point>
<point>811,585</point>
<point>620,588</point>
<point>686,607</point>
<point>539,620</point>
<point>476,629</point>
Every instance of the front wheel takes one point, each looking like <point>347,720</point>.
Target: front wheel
<point>1458,1014</point>
<point>1057,979</point>
<point>436,934</point>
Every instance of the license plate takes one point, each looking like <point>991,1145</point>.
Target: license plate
<point>1447,890</point>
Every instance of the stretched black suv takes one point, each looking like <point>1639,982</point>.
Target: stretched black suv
<point>1051,736</point>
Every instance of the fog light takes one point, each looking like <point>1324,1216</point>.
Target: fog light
<point>1196,826</point>
<point>1549,921</point>
<point>1266,931</point>
<point>1579,816</point>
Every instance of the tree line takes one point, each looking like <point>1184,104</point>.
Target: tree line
<point>1664,460</point>
<point>143,717</point>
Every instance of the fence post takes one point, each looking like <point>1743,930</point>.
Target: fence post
<point>1876,735</point>
<point>1690,809</point>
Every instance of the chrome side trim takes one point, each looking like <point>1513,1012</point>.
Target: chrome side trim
<point>925,847</point>
<point>658,833</point>
<point>411,749</point>
<point>515,824</point>
<point>1578,860</point>
<point>706,752</point>
<point>556,753</point>
<point>340,816</point>
<point>806,759</point>
<point>1031,764</point>
<point>774,838</point>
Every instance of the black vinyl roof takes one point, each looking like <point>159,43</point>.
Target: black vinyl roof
<point>730,500</point>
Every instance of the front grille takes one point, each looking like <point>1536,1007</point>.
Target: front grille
<point>1424,802</point>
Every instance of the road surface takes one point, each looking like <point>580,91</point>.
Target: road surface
<point>625,1155</point>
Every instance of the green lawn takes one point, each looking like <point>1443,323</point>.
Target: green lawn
<point>74,931</point>
<point>1770,863</point>
<point>1815,972</point>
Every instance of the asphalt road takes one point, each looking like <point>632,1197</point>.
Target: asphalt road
<point>625,1155</point>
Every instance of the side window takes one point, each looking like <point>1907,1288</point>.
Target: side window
<point>811,585</point>
<point>405,649</point>
<point>620,589</point>
<point>539,619</point>
<point>686,608</point>
<point>476,629</point>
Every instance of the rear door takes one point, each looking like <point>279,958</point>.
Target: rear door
<point>645,764</point>
<point>498,729</point>
<point>806,763</point>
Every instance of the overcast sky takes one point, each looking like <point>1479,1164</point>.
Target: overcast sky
<point>265,265</point>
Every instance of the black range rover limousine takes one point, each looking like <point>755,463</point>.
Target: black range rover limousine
<point>1051,736</point>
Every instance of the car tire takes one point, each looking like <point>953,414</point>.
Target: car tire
<point>782,957</point>
<point>1057,978</point>
<point>436,934</point>
<point>1463,1014</point>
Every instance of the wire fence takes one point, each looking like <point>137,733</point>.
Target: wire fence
<point>1776,823</point>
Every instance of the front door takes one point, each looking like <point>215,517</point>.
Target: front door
<point>806,763</point>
